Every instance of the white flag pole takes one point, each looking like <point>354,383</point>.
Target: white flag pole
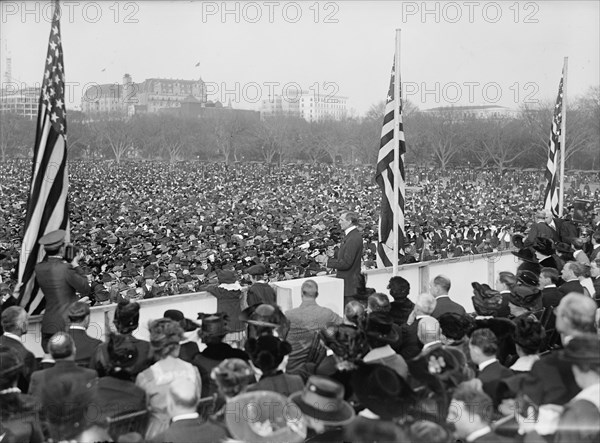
<point>563,132</point>
<point>397,104</point>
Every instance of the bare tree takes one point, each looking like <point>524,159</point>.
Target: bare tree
<point>116,131</point>
<point>444,132</point>
<point>497,140</point>
<point>538,122</point>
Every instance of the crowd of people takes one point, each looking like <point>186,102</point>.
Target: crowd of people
<point>174,226</point>
<point>396,367</point>
<point>403,366</point>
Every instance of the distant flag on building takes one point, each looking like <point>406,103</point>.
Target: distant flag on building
<point>551,194</point>
<point>47,206</point>
<point>385,179</point>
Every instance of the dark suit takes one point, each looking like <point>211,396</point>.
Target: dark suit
<point>117,397</point>
<point>29,364</point>
<point>551,297</point>
<point>193,429</point>
<point>206,360</point>
<point>571,286</point>
<point>65,373</point>
<point>261,293</point>
<point>541,229</point>
<point>347,262</point>
<point>444,304</point>
<point>59,282</point>
<point>410,346</point>
<point>188,350</point>
<point>400,310</point>
<point>551,380</point>
<point>85,346</point>
<point>154,291</point>
<point>491,375</point>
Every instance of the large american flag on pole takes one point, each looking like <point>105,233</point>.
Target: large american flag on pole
<point>385,179</point>
<point>551,194</point>
<point>47,206</point>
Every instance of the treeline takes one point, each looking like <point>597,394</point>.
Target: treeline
<point>443,139</point>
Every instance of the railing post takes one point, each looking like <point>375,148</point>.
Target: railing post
<point>424,277</point>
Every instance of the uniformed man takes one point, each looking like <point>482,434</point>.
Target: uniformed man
<point>60,282</point>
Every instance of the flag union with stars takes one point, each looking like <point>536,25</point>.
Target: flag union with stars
<point>53,87</point>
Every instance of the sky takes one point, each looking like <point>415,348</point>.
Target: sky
<point>452,53</point>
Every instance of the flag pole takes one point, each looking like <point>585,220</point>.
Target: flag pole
<point>398,105</point>
<point>563,132</point>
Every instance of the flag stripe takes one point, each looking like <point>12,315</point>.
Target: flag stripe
<point>385,179</point>
<point>551,193</point>
<point>47,203</point>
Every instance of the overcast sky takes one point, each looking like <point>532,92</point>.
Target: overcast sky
<point>459,53</point>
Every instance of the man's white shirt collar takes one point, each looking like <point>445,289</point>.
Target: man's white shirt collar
<point>486,363</point>
<point>13,336</point>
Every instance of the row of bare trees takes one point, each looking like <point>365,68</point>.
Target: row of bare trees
<point>442,139</point>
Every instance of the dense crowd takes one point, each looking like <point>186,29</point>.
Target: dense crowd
<point>189,220</point>
<point>525,366</point>
<point>403,366</point>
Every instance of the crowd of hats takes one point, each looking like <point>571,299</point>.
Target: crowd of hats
<point>193,219</point>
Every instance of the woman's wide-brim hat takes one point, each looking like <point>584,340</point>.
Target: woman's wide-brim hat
<point>323,400</point>
<point>526,254</point>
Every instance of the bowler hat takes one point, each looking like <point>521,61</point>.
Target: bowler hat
<point>323,399</point>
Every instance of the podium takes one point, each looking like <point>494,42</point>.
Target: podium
<point>331,293</point>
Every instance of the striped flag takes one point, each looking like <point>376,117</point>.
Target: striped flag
<point>47,206</point>
<point>551,194</point>
<point>385,179</point>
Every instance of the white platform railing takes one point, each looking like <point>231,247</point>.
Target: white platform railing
<point>461,271</point>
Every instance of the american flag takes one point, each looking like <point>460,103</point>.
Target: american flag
<point>385,179</point>
<point>47,206</point>
<point>551,197</point>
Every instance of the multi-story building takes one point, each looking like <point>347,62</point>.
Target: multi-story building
<point>308,105</point>
<point>151,95</point>
<point>23,101</point>
<point>469,112</point>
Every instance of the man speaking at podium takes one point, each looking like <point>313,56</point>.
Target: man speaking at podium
<point>347,262</point>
